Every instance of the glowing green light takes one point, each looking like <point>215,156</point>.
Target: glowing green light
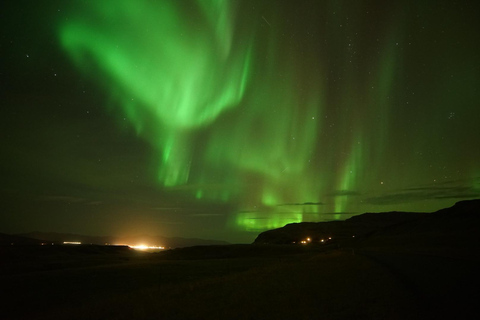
<point>227,108</point>
<point>256,221</point>
<point>170,76</point>
<point>181,76</point>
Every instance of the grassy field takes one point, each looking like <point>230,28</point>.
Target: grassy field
<point>233,282</point>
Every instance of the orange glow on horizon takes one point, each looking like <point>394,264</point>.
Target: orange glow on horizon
<point>145,247</point>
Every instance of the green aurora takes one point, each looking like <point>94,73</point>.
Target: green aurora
<point>178,76</point>
<point>288,111</point>
<point>231,116</point>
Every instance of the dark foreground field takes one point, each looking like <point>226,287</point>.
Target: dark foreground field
<point>235,282</point>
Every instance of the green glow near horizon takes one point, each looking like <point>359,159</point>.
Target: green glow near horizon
<point>239,111</point>
<point>255,221</point>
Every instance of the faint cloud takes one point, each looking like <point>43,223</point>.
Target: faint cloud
<point>70,199</point>
<point>343,193</point>
<point>195,187</point>
<point>66,199</point>
<point>167,208</point>
<point>205,215</point>
<point>341,213</point>
<point>426,193</point>
<point>302,204</point>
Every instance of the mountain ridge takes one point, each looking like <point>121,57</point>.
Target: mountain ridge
<point>459,220</point>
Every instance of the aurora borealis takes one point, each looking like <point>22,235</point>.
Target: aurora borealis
<point>221,119</point>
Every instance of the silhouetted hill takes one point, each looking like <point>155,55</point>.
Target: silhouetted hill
<point>456,228</point>
<point>174,242</point>
<point>460,223</point>
<point>8,239</point>
<point>357,226</point>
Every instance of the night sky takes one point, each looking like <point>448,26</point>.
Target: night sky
<point>222,119</point>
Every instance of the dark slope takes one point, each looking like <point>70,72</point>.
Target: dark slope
<point>358,226</point>
<point>8,239</point>
<point>461,221</point>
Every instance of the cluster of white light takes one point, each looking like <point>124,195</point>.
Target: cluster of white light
<point>145,247</point>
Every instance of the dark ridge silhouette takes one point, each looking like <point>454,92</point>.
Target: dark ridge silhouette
<point>8,239</point>
<point>460,222</point>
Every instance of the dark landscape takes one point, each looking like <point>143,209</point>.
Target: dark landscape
<point>398,266</point>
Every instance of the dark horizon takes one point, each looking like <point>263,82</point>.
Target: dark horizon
<point>220,120</point>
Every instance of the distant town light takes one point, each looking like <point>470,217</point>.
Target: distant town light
<point>145,247</point>
<point>71,242</point>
